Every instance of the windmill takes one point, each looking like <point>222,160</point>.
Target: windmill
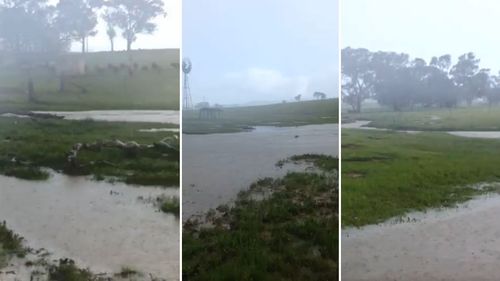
<point>186,69</point>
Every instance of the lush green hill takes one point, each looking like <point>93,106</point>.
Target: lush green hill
<point>141,79</point>
<point>236,119</point>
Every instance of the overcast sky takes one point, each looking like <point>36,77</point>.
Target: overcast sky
<point>424,28</point>
<point>260,50</point>
<point>167,35</point>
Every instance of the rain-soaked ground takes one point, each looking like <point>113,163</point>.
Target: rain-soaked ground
<point>217,166</point>
<point>100,225</point>
<point>460,244</point>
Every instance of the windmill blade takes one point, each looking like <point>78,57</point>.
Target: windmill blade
<point>186,65</point>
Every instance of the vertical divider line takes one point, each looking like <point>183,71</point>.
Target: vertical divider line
<point>180,143</point>
<point>339,85</point>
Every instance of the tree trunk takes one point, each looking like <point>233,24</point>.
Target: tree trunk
<point>112,44</point>
<point>83,45</point>
<point>31,90</point>
<point>62,83</point>
<point>129,44</point>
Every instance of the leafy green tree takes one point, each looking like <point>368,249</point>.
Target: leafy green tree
<point>319,95</point>
<point>135,17</point>
<point>77,19</point>
<point>28,26</point>
<point>357,77</point>
<point>462,73</point>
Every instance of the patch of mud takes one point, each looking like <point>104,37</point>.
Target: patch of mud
<point>100,225</point>
<point>154,116</point>
<point>459,243</point>
<point>217,166</point>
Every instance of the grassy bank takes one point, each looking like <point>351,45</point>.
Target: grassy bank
<point>28,144</point>
<point>237,119</point>
<point>387,174</point>
<point>140,79</point>
<point>283,229</point>
<point>477,118</point>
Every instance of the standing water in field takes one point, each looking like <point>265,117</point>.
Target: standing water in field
<point>218,166</point>
<point>100,225</point>
<point>444,244</point>
<point>156,116</point>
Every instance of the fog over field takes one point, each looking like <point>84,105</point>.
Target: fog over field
<point>167,34</point>
<point>424,28</point>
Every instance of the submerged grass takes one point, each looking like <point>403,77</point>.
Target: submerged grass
<point>170,205</point>
<point>291,234</point>
<point>66,270</point>
<point>26,145</point>
<point>10,243</point>
<point>239,119</point>
<point>387,174</point>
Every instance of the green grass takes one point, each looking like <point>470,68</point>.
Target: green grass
<point>291,234</point>
<point>478,118</point>
<point>170,205</point>
<point>26,145</point>
<point>106,88</point>
<point>66,270</point>
<point>10,243</point>
<point>388,174</point>
<point>237,119</point>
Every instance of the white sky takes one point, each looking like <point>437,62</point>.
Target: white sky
<point>167,35</point>
<point>424,28</point>
<point>260,51</point>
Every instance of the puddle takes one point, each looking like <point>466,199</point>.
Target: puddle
<point>477,134</point>
<point>363,124</point>
<point>100,225</point>
<point>218,166</point>
<point>156,130</point>
<point>468,134</point>
<point>459,243</point>
<point>155,116</point>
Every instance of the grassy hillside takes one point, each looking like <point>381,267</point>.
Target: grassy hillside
<point>236,119</point>
<point>141,79</point>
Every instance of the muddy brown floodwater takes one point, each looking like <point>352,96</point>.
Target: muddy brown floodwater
<point>459,244</point>
<point>80,219</point>
<point>217,166</point>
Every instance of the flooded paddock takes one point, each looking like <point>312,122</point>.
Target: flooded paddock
<point>460,244</point>
<point>100,225</point>
<point>217,166</point>
<point>154,116</point>
<point>363,124</point>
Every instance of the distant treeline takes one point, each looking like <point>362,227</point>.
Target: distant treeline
<point>396,81</point>
<point>38,26</point>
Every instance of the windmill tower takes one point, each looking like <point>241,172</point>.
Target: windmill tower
<point>186,69</point>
